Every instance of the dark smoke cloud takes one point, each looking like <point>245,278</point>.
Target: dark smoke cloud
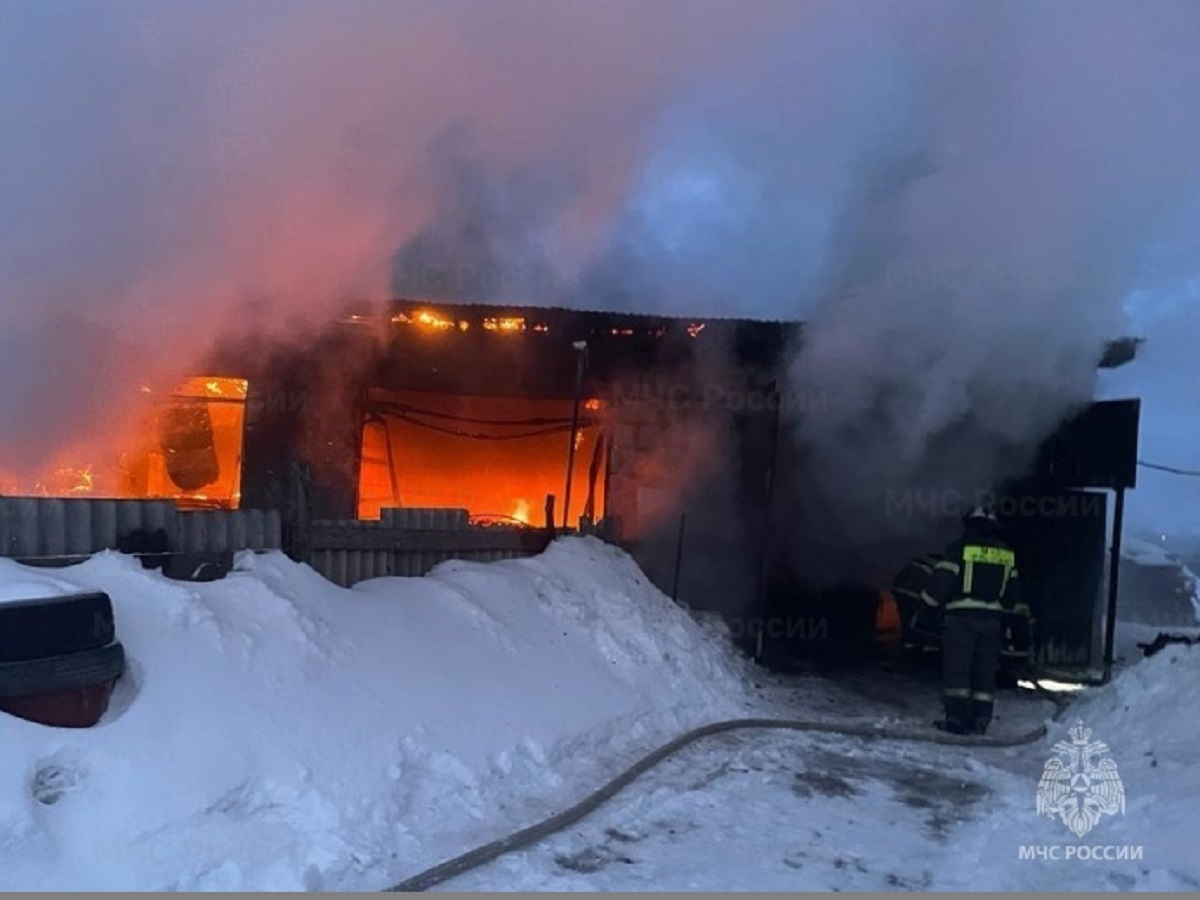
<point>955,195</point>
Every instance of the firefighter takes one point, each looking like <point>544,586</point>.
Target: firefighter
<point>977,583</point>
<point>919,611</point>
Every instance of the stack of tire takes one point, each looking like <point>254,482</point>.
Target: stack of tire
<point>59,659</point>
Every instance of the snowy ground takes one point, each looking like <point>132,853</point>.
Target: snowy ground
<point>785,811</point>
<point>276,732</point>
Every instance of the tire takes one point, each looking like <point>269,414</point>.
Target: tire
<point>62,673</point>
<point>55,626</point>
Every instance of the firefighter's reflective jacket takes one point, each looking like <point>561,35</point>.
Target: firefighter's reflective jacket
<point>919,611</point>
<point>915,578</point>
<point>977,573</point>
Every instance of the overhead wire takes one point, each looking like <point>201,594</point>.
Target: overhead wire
<point>1190,473</point>
<point>407,409</point>
<point>410,414</point>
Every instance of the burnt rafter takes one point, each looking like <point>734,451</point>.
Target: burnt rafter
<point>485,348</point>
<point>307,395</point>
<point>529,351</point>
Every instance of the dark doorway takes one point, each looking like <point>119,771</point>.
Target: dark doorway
<point>1059,536</point>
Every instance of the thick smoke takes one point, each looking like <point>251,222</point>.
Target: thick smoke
<point>174,169</point>
<point>956,196</point>
<point>974,285</point>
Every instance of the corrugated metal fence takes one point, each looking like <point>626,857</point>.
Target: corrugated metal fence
<point>47,527</point>
<point>409,542</point>
<point>53,531</point>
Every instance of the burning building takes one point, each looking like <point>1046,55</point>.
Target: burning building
<point>184,445</point>
<point>665,434</point>
<point>502,411</point>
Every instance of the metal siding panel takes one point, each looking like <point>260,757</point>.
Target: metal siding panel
<point>320,562</point>
<point>129,518</point>
<point>77,526</point>
<point>198,539</point>
<point>103,515</point>
<point>273,530</point>
<point>236,520</point>
<point>218,532</point>
<point>256,529</point>
<point>52,527</point>
<point>341,568</point>
<point>6,531</point>
<point>192,532</point>
<point>24,535</point>
<point>159,514</point>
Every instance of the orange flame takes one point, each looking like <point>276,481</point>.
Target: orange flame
<point>428,319</point>
<point>521,511</point>
<point>506,325</point>
<point>187,447</point>
<point>405,464</point>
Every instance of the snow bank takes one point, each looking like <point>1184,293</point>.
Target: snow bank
<point>19,583</point>
<point>1147,553</point>
<point>278,732</point>
<point>1146,717</point>
<point>1150,709</point>
<point>1149,719</point>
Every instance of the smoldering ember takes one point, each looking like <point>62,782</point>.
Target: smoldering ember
<point>542,446</point>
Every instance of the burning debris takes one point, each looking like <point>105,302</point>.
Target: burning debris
<point>188,449</point>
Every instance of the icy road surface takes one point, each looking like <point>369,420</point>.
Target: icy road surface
<point>760,810</point>
<point>769,811</point>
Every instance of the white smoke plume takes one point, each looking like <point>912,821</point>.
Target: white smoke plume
<point>971,293</point>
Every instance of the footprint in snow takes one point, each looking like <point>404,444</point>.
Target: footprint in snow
<point>55,779</point>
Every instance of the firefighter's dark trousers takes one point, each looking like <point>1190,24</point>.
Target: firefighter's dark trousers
<point>971,642</point>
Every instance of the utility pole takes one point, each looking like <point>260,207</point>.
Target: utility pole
<point>580,366</point>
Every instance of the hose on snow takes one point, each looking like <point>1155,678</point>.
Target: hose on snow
<point>487,853</point>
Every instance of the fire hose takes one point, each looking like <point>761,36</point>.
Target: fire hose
<point>487,853</point>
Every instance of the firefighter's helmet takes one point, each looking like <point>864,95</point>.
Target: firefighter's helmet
<point>982,514</point>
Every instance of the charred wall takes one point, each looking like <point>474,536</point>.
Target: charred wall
<point>302,424</point>
<point>688,413</point>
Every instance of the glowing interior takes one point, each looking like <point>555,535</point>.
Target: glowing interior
<point>187,448</point>
<point>498,458</point>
